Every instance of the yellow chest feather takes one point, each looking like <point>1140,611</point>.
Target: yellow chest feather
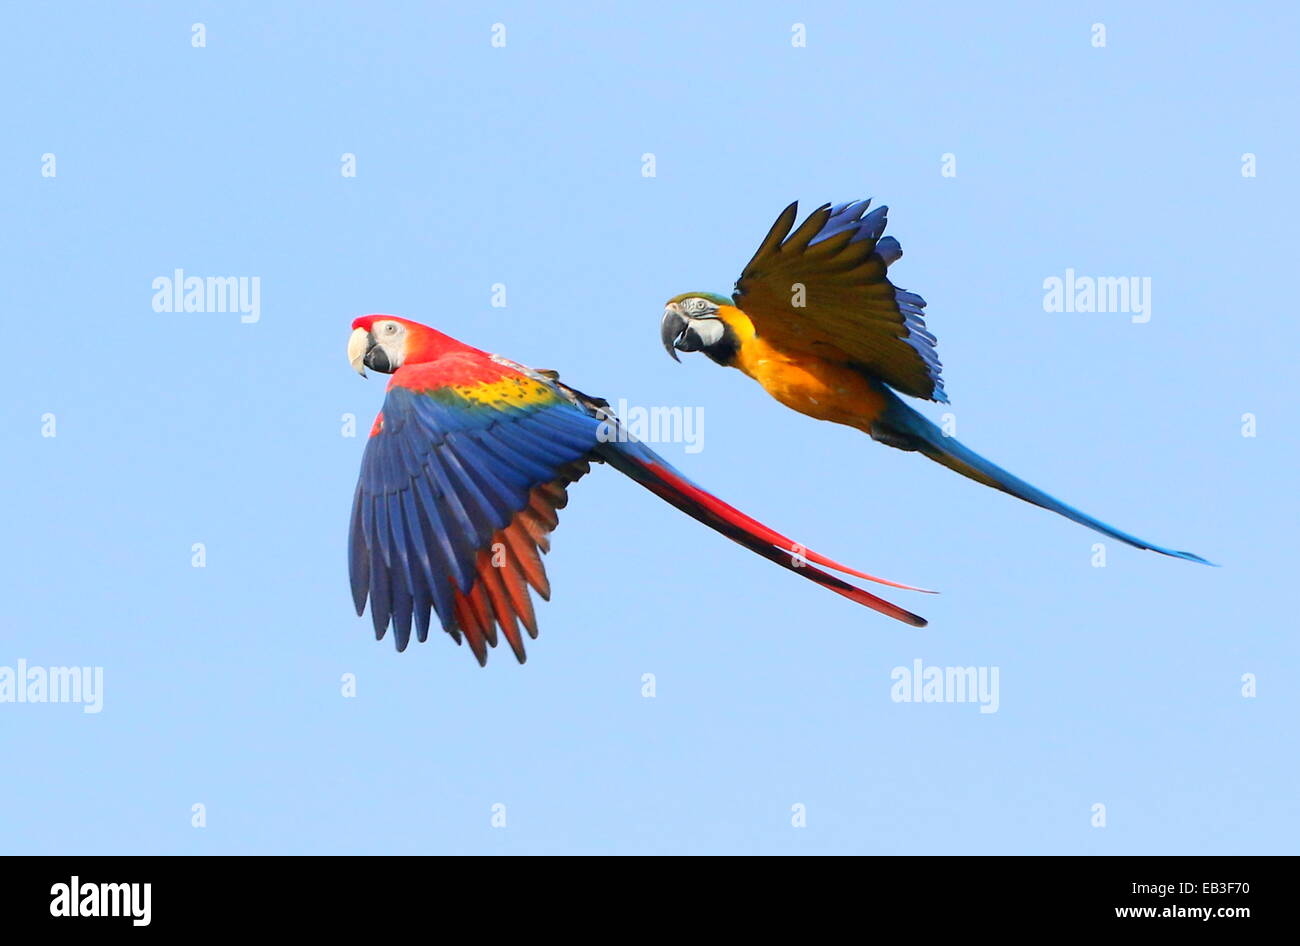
<point>819,388</point>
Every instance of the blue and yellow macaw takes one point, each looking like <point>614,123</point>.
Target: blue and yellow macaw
<point>462,478</point>
<point>815,320</point>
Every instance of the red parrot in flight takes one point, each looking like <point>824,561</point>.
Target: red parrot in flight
<point>464,472</point>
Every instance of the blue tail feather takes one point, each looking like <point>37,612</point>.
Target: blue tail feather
<point>901,426</point>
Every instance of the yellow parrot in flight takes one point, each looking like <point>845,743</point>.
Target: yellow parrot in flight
<point>815,320</point>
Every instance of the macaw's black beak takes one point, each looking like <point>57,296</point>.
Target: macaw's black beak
<point>363,353</point>
<point>377,360</point>
<point>676,334</point>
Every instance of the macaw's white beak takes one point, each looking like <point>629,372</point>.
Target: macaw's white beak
<point>358,344</point>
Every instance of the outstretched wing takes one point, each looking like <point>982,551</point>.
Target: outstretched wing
<point>460,487</point>
<point>823,290</point>
<point>461,482</point>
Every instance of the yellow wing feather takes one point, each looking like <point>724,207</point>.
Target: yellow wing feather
<point>823,290</point>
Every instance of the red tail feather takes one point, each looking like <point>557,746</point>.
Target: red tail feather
<point>755,536</point>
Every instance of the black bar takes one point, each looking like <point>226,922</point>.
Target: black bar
<point>201,895</point>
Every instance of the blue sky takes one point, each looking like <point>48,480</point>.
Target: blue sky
<point>522,165</point>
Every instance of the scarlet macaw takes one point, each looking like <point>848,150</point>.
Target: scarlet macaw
<point>815,320</point>
<point>463,474</point>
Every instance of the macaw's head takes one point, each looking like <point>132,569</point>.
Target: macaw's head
<point>384,343</point>
<point>693,322</point>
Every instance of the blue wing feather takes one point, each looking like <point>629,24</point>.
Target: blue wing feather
<point>439,478</point>
<point>849,217</point>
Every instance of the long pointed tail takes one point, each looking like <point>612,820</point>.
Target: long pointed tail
<point>900,426</point>
<point>642,464</point>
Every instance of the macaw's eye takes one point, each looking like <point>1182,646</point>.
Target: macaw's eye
<point>697,305</point>
<point>390,328</point>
